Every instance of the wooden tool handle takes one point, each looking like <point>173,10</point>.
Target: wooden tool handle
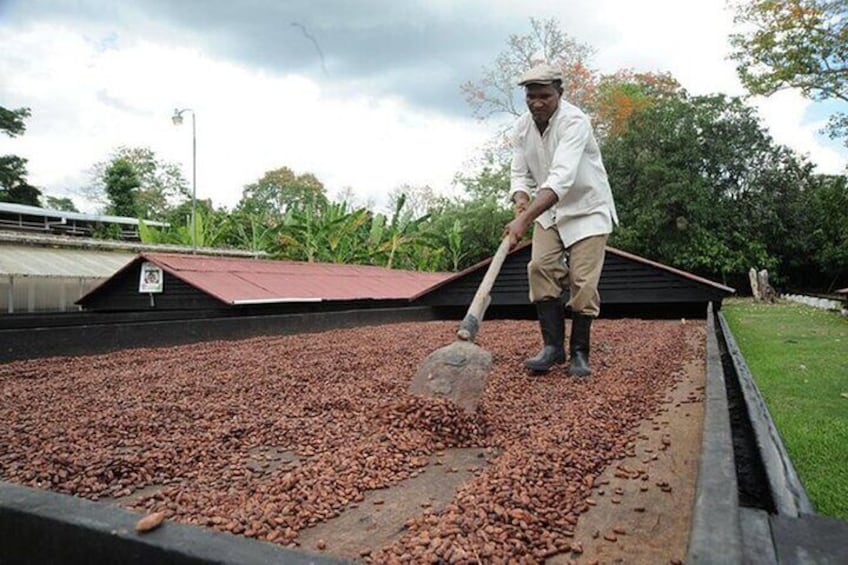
<point>471,323</point>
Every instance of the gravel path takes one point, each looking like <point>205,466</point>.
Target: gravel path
<point>266,436</point>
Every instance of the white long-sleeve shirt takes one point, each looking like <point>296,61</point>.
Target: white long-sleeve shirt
<point>566,159</point>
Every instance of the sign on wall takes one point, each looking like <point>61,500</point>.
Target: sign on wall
<point>151,278</point>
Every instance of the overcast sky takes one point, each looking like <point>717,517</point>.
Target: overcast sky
<point>364,94</point>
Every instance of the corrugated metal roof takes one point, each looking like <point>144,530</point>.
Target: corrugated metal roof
<point>62,215</point>
<point>31,261</point>
<point>130,248</point>
<point>244,281</point>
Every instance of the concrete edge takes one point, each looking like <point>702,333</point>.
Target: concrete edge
<point>715,535</point>
<point>758,544</point>
<point>809,540</point>
<point>787,492</point>
<point>39,526</point>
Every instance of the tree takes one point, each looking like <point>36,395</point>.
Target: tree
<point>209,229</point>
<point>476,226</point>
<point>495,92</point>
<point>470,227</point>
<point>347,195</point>
<point>280,191</point>
<point>398,242</point>
<point>795,44</point>
<point>60,203</point>
<point>700,185</point>
<point>122,185</point>
<point>13,184</point>
<point>162,185</point>
<point>13,172</point>
<point>625,93</point>
<point>417,199</point>
<point>12,122</point>
<point>825,207</point>
<point>248,231</point>
<point>490,180</point>
<point>328,233</point>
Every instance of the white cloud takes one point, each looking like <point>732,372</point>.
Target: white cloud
<point>87,101</point>
<point>689,39</point>
<point>93,87</point>
<point>785,113</point>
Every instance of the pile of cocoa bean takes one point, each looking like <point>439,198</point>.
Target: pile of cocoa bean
<point>185,424</point>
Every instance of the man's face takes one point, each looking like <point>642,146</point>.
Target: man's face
<point>542,101</point>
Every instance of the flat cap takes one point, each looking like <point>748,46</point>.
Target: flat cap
<point>542,73</point>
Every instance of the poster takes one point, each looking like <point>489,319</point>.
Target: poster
<point>151,278</point>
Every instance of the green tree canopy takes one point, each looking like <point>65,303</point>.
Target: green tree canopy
<point>12,122</point>
<point>13,184</point>
<point>162,185</point>
<point>469,227</point>
<point>280,191</point>
<point>795,44</point>
<point>623,94</point>
<point>60,203</point>
<point>13,172</point>
<point>122,185</point>
<point>825,209</point>
<point>700,185</point>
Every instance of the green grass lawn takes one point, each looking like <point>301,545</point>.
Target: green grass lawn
<point>799,358</point>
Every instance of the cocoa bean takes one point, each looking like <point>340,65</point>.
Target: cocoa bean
<point>266,436</point>
<point>150,522</point>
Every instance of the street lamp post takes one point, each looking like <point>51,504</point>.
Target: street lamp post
<point>177,118</point>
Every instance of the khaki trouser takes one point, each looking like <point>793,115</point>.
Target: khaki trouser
<point>548,274</point>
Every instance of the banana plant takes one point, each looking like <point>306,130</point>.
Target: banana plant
<point>252,232</point>
<point>344,230</point>
<point>202,233</point>
<point>454,248</point>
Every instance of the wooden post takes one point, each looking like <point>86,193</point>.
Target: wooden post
<point>767,293</point>
<point>755,288</point>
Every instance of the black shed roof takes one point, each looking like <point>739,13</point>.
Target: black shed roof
<point>626,280</point>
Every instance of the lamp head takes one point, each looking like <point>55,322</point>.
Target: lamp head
<point>177,118</point>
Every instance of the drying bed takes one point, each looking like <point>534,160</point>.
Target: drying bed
<point>278,438</point>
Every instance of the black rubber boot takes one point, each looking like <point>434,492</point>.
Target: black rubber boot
<point>552,322</point>
<point>578,366</point>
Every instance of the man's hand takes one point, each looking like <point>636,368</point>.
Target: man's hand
<point>515,229</point>
<point>520,202</point>
<point>524,217</point>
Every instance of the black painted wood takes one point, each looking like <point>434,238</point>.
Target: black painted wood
<point>715,536</point>
<point>623,281</point>
<point>38,526</point>
<point>115,334</point>
<point>120,293</point>
<point>787,493</point>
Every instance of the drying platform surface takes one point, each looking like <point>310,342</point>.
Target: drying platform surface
<point>312,441</point>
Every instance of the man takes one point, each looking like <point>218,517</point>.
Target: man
<point>556,159</point>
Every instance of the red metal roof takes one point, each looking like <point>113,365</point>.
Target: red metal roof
<point>246,281</point>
